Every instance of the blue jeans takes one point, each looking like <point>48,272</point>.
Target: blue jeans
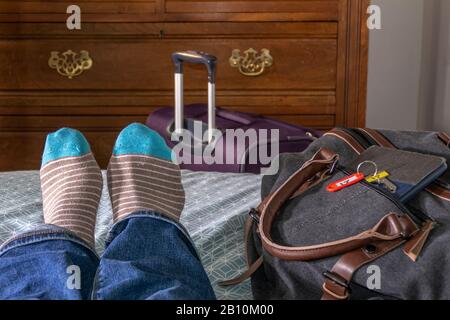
<point>147,256</point>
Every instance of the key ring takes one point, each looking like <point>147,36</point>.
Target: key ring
<point>358,170</point>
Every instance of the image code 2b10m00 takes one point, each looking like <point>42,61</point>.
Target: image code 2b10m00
<point>246,309</point>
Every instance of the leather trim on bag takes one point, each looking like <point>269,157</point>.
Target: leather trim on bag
<point>390,228</point>
<point>244,276</point>
<point>347,138</point>
<point>251,267</point>
<point>350,263</point>
<point>439,192</point>
<point>445,138</point>
<point>379,138</point>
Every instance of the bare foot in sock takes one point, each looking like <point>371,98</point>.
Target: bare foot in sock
<point>141,176</point>
<point>71,183</point>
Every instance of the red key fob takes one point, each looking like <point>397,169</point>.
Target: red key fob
<point>346,182</point>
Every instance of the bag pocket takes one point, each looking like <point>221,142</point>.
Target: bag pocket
<point>319,216</point>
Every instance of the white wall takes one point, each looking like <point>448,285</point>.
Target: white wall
<point>439,97</point>
<point>395,54</point>
<point>409,66</point>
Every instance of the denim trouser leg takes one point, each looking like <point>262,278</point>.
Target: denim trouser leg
<point>46,263</point>
<point>150,257</point>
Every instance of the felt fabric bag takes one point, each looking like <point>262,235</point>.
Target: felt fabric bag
<point>304,242</point>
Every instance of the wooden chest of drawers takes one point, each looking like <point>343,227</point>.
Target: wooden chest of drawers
<point>316,75</point>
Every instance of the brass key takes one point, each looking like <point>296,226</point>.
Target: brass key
<point>388,184</point>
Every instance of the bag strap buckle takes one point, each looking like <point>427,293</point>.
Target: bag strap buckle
<point>337,280</point>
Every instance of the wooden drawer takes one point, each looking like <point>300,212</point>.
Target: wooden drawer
<point>130,78</point>
<point>280,10</point>
<point>43,112</point>
<point>100,10</point>
<point>300,62</point>
<point>87,7</point>
<point>116,123</point>
<point>50,123</point>
<point>172,10</point>
<point>65,103</point>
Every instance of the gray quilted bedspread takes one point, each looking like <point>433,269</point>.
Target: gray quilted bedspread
<point>214,215</point>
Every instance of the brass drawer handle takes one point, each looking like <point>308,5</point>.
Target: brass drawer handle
<point>251,63</point>
<point>70,64</point>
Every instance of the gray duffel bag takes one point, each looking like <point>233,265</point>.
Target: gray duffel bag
<point>304,242</point>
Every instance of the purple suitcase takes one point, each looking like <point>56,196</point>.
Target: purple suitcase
<point>230,153</point>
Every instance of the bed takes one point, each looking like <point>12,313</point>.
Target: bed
<point>214,215</point>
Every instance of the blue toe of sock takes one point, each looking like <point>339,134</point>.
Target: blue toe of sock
<point>140,139</point>
<point>63,143</point>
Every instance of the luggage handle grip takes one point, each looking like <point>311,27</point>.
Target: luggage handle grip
<point>210,62</point>
<point>197,57</point>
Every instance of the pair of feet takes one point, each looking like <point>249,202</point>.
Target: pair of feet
<point>141,177</point>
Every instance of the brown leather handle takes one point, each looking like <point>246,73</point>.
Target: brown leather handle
<point>391,227</point>
<point>445,138</point>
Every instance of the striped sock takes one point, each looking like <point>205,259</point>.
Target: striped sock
<point>71,183</point>
<point>141,176</point>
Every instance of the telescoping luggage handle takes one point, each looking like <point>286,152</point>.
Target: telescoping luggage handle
<point>210,62</point>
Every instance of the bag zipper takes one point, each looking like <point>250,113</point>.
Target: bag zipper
<point>366,142</point>
<point>355,133</point>
<point>418,216</point>
<point>437,183</point>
